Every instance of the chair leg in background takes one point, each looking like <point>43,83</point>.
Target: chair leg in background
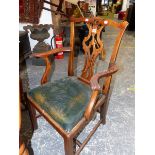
<point>74,145</point>
<point>33,118</point>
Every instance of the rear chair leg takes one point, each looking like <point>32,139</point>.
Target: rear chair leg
<point>74,145</point>
<point>103,111</point>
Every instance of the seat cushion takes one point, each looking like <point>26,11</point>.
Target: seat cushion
<point>65,100</point>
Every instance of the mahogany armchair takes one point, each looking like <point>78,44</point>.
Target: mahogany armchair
<point>69,104</point>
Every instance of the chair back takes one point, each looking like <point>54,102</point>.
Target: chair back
<point>93,45</point>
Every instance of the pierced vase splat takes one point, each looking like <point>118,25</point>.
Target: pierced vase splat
<point>93,46</point>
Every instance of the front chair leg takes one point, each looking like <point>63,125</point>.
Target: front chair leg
<point>69,146</point>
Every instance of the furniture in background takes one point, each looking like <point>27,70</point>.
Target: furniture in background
<point>65,25</point>
<point>59,9</point>
<point>117,6</point>
<point>24,53</point>
<point>57,6</point>
<point>30,11</point>
<point>22,148</point>
<point>76,3</point>
<point>131,17</point>
<point>39,32</point>
<point>69,104</point>
<point>103,7</point>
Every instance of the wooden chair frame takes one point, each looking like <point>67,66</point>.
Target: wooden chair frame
<point>95,104</point>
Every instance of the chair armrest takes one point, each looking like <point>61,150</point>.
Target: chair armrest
<point>89,110</point>
<point>94,82</point>
<point>96,88</point>
<point>44,55</point>
<point>52,51</point>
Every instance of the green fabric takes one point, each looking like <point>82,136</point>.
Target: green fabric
<point>64,100</point>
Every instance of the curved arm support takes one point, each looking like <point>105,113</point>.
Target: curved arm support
<point>44,55</point>
<point>50,52</point>
<point>89,110</point>
<point>94,82</point>
<point>46,74</point>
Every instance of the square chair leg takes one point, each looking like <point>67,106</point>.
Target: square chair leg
<point>69,146</point>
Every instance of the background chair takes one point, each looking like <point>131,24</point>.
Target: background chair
<point>22,148</point>
<point>69,104</point>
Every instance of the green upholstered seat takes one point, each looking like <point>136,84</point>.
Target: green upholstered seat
<point>64,100</point>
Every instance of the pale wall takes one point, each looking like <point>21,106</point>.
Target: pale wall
<point>125,5</point>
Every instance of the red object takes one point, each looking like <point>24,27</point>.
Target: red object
<point>121,15</point>
<point>21,7</point>
<point>58,42</point>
